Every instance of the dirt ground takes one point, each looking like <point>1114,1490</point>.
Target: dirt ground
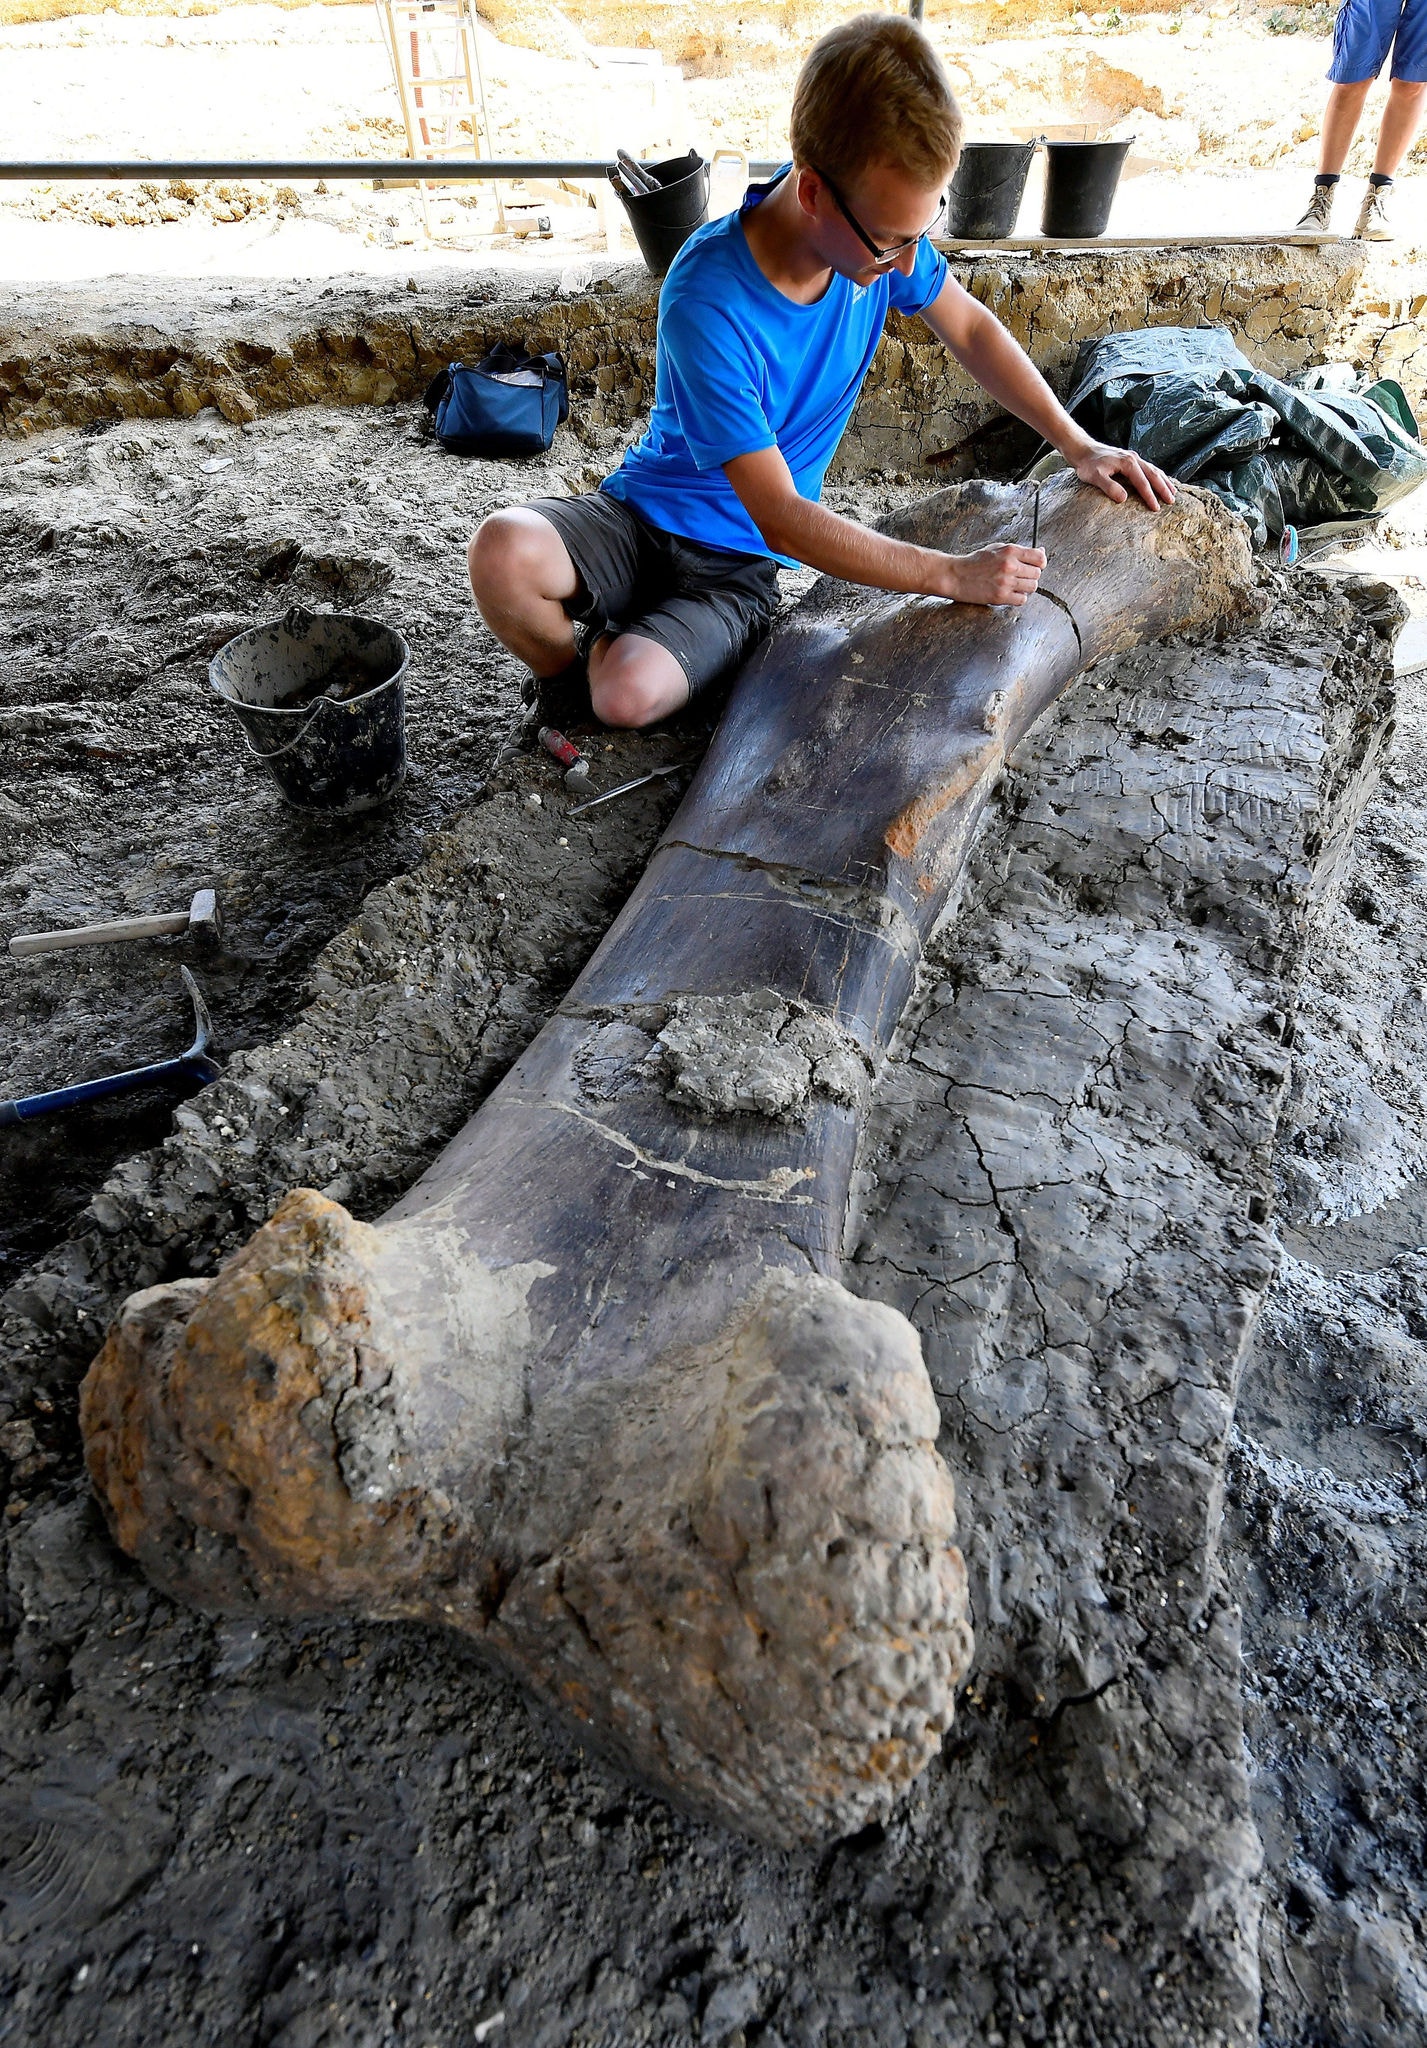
<point>354,1834</point>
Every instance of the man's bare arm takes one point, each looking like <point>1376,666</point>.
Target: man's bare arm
<point>1003,369</point>
<point>793,525</point>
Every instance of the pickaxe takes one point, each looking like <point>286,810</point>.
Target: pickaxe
<point>193,1065</point>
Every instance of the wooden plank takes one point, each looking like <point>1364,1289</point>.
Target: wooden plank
<point>1029,245</point>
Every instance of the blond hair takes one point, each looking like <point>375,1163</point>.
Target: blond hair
<point>872,91</point>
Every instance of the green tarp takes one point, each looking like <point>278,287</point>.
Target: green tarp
<point>1281,454</point>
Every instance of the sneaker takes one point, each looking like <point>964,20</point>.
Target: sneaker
<point>562,701</point>
<point>1374,221</point>
<point>1320,207</point>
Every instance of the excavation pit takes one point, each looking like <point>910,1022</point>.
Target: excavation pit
<point>1110,1005</point>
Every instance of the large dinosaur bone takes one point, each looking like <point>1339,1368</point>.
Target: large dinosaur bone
<point>592,1393</point>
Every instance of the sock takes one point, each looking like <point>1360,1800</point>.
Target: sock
<point>1327,177</point>
<point>1379,178</point>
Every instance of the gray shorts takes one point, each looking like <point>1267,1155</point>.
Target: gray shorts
<point>705,606</point>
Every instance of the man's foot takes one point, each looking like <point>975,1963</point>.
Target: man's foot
<point>1374,221</point>
<point>1320,208</point>
<point>562,700</point>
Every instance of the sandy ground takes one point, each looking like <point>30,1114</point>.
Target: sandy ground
<point>1210,155</point>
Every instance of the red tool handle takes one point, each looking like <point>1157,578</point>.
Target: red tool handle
<point>574,763</point>
<point>555,743</point>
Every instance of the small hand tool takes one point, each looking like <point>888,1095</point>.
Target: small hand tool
<point>574,763</point>
<point>1036,518</point>
<point>635,171</point>
<point>623,788</point>
<point>193,1065</point>
<point>202,918</point>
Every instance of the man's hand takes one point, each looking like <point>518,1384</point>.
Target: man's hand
<point>1001,366</point>
<point>1003,574</point>
<point>810,533</point>
<point>792,525</point>
<point>1103,466</point>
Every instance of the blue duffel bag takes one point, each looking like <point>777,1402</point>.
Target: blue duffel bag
<point>509,404</point>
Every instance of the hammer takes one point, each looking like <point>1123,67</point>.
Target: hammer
<point>201,917</point>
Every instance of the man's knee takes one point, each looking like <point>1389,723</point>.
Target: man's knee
<point>627,701</point>
<point>513,551</point>
<point>635,683</point>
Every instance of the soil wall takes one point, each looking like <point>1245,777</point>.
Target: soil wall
<point>146,349</point>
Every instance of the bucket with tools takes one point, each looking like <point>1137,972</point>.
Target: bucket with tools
<point>665,202</point>
<point>987,189</point>
<point>321,699</point>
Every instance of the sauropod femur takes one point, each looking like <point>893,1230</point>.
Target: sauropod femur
<point>592,1392</point>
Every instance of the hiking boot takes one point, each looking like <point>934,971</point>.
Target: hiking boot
<point>1374,222</point>
<point>1320,208</point>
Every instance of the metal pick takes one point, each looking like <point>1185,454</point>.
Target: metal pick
<point>623,788</point>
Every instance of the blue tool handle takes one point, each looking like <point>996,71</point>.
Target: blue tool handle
<point>188,1066</point>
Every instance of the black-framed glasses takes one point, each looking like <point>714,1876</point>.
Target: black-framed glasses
<point>880,256</point>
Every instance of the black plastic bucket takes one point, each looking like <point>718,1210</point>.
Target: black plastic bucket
<point>987,190</point>
<point>334,754</point>
<point>1080,181</point>
<point>663,221</point>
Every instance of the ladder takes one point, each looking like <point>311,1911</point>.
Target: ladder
<point>436,62</point>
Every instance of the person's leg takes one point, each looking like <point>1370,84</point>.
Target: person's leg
<point>1401,119</point>
<point>681,645</point>
<point>522,577</point>
<point>1407,97</point>
<point>1340,125</point>
<point>1362,36</point>
<point>634,681</point>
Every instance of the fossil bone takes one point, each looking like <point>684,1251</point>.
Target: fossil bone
<point>592,1393</point>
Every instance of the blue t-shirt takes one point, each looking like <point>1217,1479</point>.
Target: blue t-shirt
<point>742,367</point>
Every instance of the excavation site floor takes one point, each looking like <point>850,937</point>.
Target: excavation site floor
<point>1146,1170</point>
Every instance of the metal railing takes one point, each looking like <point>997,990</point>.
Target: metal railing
<point>302,169</point>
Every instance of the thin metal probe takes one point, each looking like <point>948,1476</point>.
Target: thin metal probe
<point>623,788</point>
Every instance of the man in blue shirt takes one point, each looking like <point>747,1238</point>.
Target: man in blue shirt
<point>768,322</point>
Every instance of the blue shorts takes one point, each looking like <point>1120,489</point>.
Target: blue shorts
<point>1366,30</point>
